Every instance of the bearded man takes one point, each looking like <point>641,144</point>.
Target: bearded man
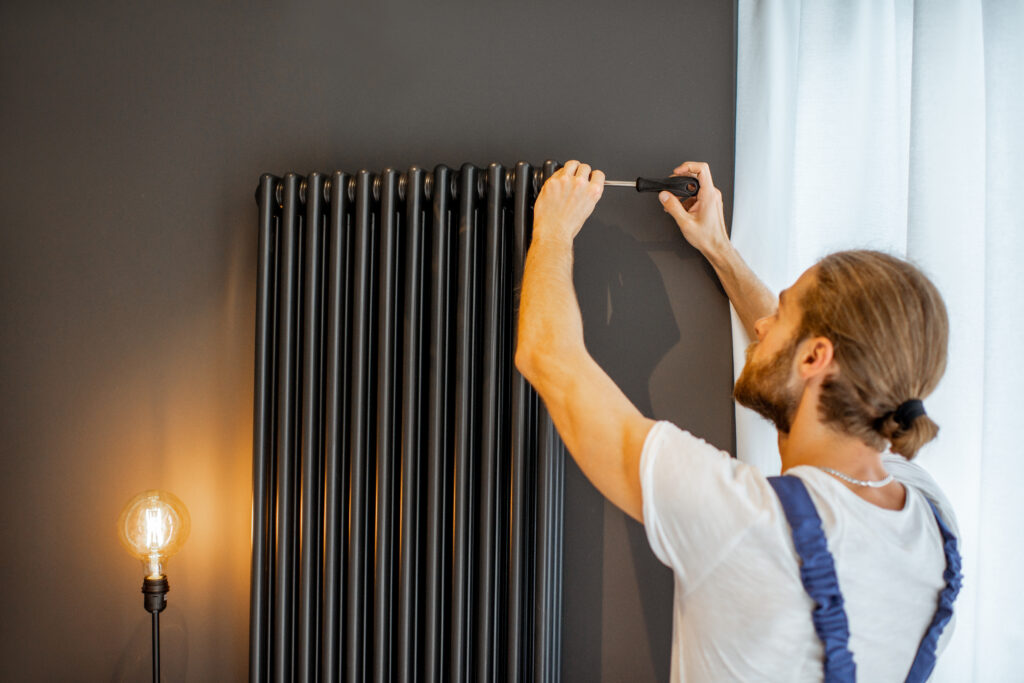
<point>844,567</point>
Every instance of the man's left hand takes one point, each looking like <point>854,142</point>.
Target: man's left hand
<point>566,201</point>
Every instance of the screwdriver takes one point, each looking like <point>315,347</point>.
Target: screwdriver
<point>683,187</point>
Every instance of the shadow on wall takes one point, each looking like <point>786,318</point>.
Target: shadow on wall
<point>629,326</point>
<point>628,319</point>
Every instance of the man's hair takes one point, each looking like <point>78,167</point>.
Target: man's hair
<point>888,325</point>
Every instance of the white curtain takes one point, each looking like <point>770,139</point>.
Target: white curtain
<point>899,126</point>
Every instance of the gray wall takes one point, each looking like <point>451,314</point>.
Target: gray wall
<point>133,135</point>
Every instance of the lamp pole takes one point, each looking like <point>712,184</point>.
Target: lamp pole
<point>154,591</point>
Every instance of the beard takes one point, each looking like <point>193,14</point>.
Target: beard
<point>765,387</point>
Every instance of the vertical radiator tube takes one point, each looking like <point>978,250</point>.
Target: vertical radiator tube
<point>545,539</point>
<point>310,551</point>
<point>503,432</point>
<point>519,598</point>
<point>357,616</point>
<point>437,600</point>
<point>409,570</point>
<point>287,441</point>
<point>387,394</point>
<point>263,434</point>
<point>532,535</point>
<point>557,555</point>
<point>487,652</point>
<point>548,634</point>
<point>466,428</point>
<point>339,245</point>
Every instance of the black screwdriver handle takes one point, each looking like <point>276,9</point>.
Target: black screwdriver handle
<point>683,187</point>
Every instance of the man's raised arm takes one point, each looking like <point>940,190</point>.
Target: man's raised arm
<point>602,429</point>
<point>703,225</point>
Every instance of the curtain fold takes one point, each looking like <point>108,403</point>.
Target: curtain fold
<point>898,126</point>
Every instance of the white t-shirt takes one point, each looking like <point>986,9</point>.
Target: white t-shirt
<point>740,611</point>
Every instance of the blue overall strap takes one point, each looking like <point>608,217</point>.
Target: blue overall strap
<point>924,661</point>
<point>818,573</point>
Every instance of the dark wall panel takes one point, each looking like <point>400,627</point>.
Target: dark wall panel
<point>133,137</point>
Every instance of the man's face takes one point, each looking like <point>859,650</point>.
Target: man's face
<point>769,384</point>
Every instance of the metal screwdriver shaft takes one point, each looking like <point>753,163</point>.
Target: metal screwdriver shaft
<point>683,187</point>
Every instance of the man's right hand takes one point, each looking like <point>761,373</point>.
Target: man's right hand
<point>702,223</point>
<point>701,219</point>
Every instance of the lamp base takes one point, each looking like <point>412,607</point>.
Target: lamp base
<point>154,592</point>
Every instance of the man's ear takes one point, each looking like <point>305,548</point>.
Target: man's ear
<point>815,357</point>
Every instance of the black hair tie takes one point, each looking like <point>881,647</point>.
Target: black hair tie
<point>907,412</point>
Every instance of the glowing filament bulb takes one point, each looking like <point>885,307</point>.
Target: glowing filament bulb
<point>152,527</point>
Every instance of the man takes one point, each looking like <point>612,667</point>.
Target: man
<point>840,366</point>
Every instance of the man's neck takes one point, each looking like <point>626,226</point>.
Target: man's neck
<point>811,442</point>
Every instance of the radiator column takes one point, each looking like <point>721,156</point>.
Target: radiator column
<point>466,427</point>
<point>437,593</point>
<point>310,550</point>
<point>489,591</point>
<point>263,431</point>
<point>387,442</point>
<point>337,411</point>
<point>520,606</point>
<point>289,299</point>
<point>357,613</point>
<point>411,507</point>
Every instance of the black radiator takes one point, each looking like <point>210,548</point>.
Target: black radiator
<point>407,481</point>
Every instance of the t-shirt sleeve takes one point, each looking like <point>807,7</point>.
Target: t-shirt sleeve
<point>698,502</point>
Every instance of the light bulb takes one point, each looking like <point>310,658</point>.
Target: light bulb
<point>152,527</point>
